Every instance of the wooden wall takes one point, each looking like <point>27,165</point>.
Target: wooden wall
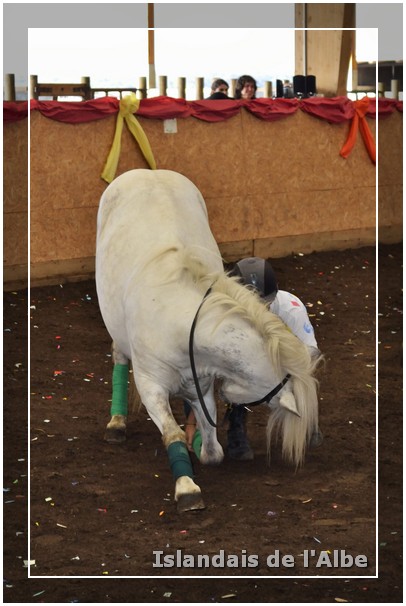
<point>271,188</point>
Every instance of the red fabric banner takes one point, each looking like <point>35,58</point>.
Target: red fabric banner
<point>212,110</point>
<point>13,111</point>
<point>335,110</point>
<point>164,108</point>
<point>75,112</point>
<point>385,107</point>
<point>271,109</point>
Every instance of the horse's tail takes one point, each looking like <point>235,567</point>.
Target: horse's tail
<point>294,419</point>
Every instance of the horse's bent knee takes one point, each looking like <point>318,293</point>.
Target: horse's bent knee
<point>177,435</point>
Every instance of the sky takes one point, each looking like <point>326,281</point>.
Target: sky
<point>118,57</point>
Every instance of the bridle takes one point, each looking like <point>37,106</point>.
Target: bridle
<point>265,399</point>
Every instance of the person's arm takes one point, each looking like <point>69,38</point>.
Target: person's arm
<point>190,429</point>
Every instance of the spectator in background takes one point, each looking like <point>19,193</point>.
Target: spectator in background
<point>246,88</point>
<point>219,89</point>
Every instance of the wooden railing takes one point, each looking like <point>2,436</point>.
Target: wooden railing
<point>84,91</point>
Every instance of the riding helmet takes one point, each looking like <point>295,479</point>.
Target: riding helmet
<point>258,273</point>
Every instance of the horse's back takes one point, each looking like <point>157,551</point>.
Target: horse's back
<point>144,212</point>
<point>147,222</point>
<point>153,206</point>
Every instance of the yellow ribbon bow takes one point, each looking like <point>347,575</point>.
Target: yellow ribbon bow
<point>128,106</point>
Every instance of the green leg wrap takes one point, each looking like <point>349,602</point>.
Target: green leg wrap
<point>197,443</point>
<point>179,460</point>
<point>119,402</point>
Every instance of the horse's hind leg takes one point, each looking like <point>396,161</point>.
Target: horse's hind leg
<point>116,428</point>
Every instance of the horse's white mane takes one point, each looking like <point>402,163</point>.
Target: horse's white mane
<point>230,297</point>
<point>286,351</point>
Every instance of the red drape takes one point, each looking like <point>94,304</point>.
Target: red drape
<point>14,111</point>
<point>335,110</point>
<point>75,112</point>
<point>271,109</point>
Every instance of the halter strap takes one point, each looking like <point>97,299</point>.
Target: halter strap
<point>192,363</point>
<point>270,395</point>
<point>266,398</point>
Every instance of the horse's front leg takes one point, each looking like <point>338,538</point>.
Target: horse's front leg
<point>187,493</point>
<point>116,428</point>
<point>211,452</point>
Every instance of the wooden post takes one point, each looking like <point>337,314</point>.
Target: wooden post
<point>233,84</point>
<point>325,47</point>
<point>163,85</point>
<point>85,80</point>
<point>268,89</point>
<point>182,88</point>
<point>9,88</point>
<point>151,46</point>
<point>33,87</point>
<point>394,86</point>
<point>142,88</point>
<point>354,74</point>
<point>199,88</point>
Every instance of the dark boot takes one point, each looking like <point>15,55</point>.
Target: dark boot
<point>237,441</point>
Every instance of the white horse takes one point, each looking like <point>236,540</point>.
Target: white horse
<point>156,259</point>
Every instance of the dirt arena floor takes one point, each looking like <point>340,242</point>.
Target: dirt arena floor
<point>101,511</point>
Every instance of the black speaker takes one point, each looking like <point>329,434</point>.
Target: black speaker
<point>299,86</point>
<point>310,86</point>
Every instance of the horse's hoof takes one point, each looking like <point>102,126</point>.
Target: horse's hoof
<point>115,436</point>
<point>190,502</point>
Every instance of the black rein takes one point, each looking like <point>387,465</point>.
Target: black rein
<point>266,399</point>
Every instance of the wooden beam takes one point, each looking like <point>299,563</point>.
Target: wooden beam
<point>151,46</point>
<point>325,53</point>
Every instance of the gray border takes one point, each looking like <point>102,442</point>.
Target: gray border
<point>17,18</point>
